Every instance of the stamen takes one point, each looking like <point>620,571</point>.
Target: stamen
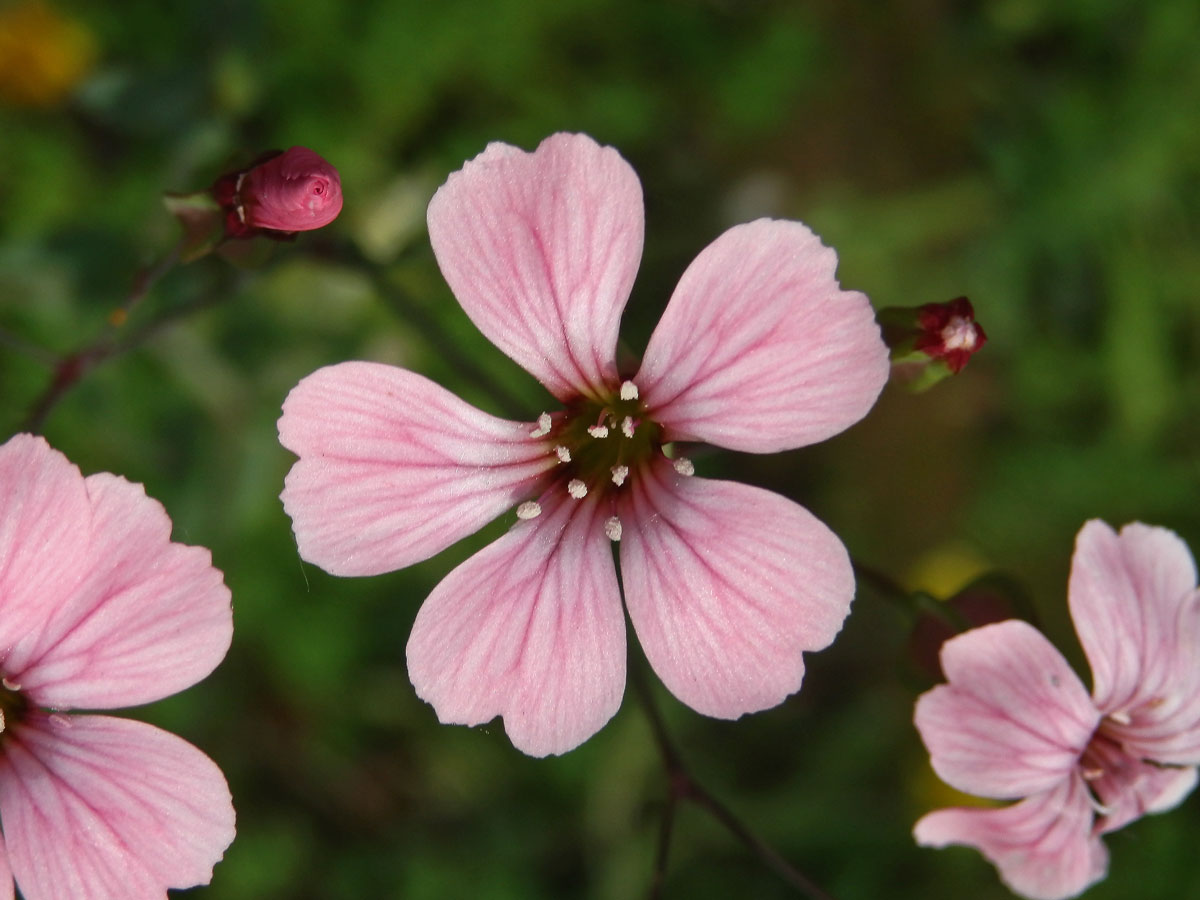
<point>2,711</point>
<point>543,426</point>
<point>612,529</point>
<point>627,426</point>
<point>684,466</point>
<point>598,431</point>
<point>1091,774</point>
<point>1121,717</point>
<point>564,455</point>
<point>529,510</point>
<point>11,685</point>
<point>576,488</point>
<point>619,474</point>
<point>629,390</point>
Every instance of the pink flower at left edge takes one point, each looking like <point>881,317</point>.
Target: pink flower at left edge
<point>1016,723</point>
<point>100,610</point>
<point>726,585</point>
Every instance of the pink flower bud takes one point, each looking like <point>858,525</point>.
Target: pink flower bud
<point>282,192</point>
<point>295,191</point>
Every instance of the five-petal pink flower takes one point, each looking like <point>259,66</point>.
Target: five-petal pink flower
<point>726,585</point>
<point>1015,721</point>
<point>99,610</point>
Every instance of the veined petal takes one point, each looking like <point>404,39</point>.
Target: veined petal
<point>1042,846</point>
<point>44,531</point>
<point>7,888</point>
<point>1128,788</point>
<point>531,629</point>
<point>727,585</point>
<point>759,348</point>
<point>99,808</point>
<point>1136,609</point>
<point>149,618</point>
<point>1014,719</point>
<point>541,250</point>
<point>394,468</point>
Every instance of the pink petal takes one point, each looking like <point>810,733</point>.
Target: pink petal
<point>46,522</point>
<point>1137,612</point>
<point>1128,788</point>
<point>531,629</point>
<point>7,888</point>
<point>759,348</point>
<point>541,250</point>
<point>1014,718</point>
<point>97,808</point>
<point>727,585</point>
<point>1043,846</point>
<point>394,469</point>
<point>146,619</point>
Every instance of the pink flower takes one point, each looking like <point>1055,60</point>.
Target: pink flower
<point>288,192</point>
<point>98,610</point>
<point>726,585</point>
<point>1015,721</point>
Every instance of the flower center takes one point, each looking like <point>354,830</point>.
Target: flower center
<point>959,334</point>
<point>599,446</point>
<point>13,705</point>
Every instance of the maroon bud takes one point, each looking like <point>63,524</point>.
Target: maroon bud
<point>949,332</point>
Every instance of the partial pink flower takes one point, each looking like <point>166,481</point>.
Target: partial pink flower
<point>286,192</point>
<point>1015,721</point>
<point>99,610</point>
<point>726,585</point>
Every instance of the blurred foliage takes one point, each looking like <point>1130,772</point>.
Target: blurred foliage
<point>1041,157</point>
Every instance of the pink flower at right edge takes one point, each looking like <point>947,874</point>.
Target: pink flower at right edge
<point>1015,721</point>
<point>727,585</point>
<point>100,610</point>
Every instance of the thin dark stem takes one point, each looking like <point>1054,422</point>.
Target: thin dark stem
<point>71,368</point>
<point>912,603</point>
<point>682,785</point>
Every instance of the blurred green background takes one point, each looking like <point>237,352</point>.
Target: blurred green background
<point>1041,157</point>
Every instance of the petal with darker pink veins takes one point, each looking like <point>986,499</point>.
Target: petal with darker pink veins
<point>394,468</point>
<point>147,618</point>
<point>1128,788</point>
<point>541,250</point>
<point>727,586</point>
<point>1042,846</point>
<point>529,628</point>
<point>98,808</point>
<point>1014,718</point>
<point>760,349</point>
<point>44,534</point>
<point>7,888</point>
<point>1136,609</point>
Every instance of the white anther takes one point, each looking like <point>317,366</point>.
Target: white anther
<point>598,431</point>
<point>629,390</point>
<point>543,426</point>
<point>612,529</point>
<point>2,711</point>
<point>576,488</point>
<point>11,685</point>
<point>564,455</point>
<point>1120,717</point>
<point>529,510</point>
<point>684,466</point>
<point>627,426</point>
<point>619,474</point>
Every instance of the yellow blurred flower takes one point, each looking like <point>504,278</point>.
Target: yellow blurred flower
<point>43,54</point>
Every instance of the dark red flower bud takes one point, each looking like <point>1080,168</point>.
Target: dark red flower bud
<point>949,332</point>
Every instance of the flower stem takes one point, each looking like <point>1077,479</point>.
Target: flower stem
<point>681,785</point>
